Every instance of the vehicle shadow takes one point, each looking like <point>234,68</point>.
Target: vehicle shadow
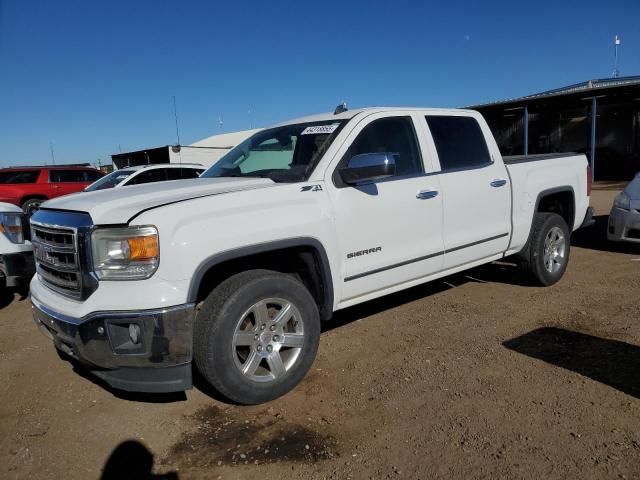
<point>595,238</point>
<point>81,370</point>
<point>496,272</point>
<point>611,362</point>
<point>131,460</point>
<point>8,295</point>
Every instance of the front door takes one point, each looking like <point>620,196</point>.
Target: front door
<point>389,230</point>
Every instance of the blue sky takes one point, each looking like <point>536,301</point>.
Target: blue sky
<point>93,77</point>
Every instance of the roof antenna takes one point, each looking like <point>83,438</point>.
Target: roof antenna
<point>616,72</point>
<point>341,108</point>
<point>175,114</point>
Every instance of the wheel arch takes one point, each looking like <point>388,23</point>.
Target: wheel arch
<point>551,198</point>
<point>32,196</point>
<point>304,256</point>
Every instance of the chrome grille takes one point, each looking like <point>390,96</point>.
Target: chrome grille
<point>57,258</point>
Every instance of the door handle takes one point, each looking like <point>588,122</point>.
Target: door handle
<point>57,186</point>
<point>498,183</point>
<point>426,194</point>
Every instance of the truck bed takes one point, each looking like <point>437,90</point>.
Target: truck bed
<point>511,159</point>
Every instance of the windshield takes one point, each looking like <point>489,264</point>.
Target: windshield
<point>109,181</point>
<point>283,154</point>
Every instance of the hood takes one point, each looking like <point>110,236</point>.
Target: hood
<point>9,207</point>
<point>119,205</point>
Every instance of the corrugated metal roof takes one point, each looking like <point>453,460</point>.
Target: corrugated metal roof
<point>589,85</point>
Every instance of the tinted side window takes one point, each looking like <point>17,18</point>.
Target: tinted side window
<point>393,135</point>
<point>459,142</point>
<point>16,176</point>
<point>181,173</point>
<point>92,175</point>
<point>59,176</point>
<point>150,176</point>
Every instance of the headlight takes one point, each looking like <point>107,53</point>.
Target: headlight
<point>127,253</point>
<point>622,201</point>
<point>11,226</point>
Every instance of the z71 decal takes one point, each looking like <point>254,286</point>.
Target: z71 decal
<point>311,188</point>
<point>364,252</point>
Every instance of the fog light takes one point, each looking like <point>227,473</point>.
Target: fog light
<point>134,333</point>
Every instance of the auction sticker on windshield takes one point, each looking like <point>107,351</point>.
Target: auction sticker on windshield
<point>317,129</point>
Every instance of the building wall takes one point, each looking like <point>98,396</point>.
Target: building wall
<point>563,124</point>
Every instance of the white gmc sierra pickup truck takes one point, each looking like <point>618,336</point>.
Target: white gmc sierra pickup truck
<point>235,270</point>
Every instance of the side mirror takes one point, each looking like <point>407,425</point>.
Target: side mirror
<point>368,166</point>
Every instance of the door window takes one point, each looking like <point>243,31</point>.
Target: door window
<point>66,176</point>
<point>149,176</point>
<point>459,141</point>
<point>18,176</point>
<point>394,135</point>
<point>182,173</point>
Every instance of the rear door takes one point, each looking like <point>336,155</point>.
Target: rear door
<point>475,187</point>
<point>64,182</point>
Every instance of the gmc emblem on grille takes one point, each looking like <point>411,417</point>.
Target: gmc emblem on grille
<point>44,255</point>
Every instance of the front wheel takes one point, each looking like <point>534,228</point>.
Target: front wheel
<point>30,206</point>
<point>256,336</point>
<point>547,254</point>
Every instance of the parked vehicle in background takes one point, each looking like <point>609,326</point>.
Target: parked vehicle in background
<point>298,221</point>
<point>146,174</point>
<point>16,253</point>
<point>624,219</point>
<point>28,187</point>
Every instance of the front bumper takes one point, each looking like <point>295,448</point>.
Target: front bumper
<point>139,351</point>
<point>17,267</point>
<point>624,225</point>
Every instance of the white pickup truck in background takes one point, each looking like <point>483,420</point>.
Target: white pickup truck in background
<point>16,254</point>
<point>236,269</point>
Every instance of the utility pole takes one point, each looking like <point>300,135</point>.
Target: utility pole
<point>53,157</point>
<point>617,42</point>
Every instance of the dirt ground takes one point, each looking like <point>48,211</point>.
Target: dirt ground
<point>476,376</point>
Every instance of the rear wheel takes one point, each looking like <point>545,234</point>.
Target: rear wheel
<point>547,255</point>
<point>256,336</point>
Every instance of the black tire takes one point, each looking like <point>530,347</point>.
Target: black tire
<point>31,205</point>
<point>533,256</point>
<point>217,359</point>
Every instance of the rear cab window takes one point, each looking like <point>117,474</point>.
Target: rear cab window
<point>459,142</point>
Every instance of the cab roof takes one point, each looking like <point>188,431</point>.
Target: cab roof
<point>163,165</point>
<point>49,167</point>
<point>349,114</point>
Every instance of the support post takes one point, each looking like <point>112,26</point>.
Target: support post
<point>594,112</point>
<point>526,130</point>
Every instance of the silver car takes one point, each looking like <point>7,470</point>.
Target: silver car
<point>624,219</point>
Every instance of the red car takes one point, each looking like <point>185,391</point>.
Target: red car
<point>28,187</point>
